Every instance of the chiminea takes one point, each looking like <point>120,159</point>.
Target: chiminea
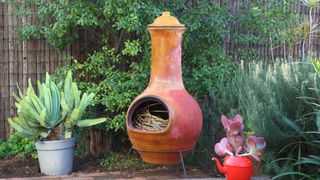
<point>164,120</point>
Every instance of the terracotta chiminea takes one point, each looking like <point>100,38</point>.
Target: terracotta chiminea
<point>165,98</point>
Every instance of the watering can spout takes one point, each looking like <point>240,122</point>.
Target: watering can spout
<point>220,167</point>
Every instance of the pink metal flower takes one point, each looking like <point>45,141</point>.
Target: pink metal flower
<point>233,125</point>
<point>222,147</point>
<point>255,146</point>
<point>236,142</point>
<point>233,144</point>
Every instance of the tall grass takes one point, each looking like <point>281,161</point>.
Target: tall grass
<point>276,101</point>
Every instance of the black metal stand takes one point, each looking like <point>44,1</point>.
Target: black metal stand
<point>123,163</point>
<point>182,162</point>
<point>125,160</point>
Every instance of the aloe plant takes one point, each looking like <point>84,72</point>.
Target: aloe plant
<point>38,116</point>
<point>75,104</point>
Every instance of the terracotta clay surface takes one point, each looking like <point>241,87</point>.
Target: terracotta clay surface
<point>166,86</point>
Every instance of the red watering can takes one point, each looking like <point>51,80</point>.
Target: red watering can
<point>237,167</point>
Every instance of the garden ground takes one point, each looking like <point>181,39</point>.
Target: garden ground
<point>89,168</point>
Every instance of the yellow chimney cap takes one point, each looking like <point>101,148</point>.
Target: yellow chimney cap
<point>166,20</point>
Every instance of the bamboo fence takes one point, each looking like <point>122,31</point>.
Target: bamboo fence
<point>21,60</point>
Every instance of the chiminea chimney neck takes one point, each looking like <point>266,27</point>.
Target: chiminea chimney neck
<point>166,40</point>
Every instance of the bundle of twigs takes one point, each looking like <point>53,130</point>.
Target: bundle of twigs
<point>146,120</point>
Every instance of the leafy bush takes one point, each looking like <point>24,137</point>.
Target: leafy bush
<point>17,146</point>
<point>273,100</point>
<point>115,160</point>
<point>120,70</point>
<point>110,161</point>
<point>271,23</point>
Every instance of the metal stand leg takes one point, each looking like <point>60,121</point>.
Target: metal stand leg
<point>125,160</point>
<point>123,163</point>
<point>182,162</point>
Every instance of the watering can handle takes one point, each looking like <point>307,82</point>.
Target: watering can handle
<point>257,167</point>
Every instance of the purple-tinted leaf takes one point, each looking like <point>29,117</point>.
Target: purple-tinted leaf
<point>239,149</point>
<point>255,157</point>
<point>235,127</point>
<point>234,124</point>
<point>238,118</point>
<point>255,145</point>
<point>222,147</point>
<point>236,142</point>
<point>225,122</point>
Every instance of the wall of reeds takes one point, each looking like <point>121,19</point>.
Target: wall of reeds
<point>20,60</point>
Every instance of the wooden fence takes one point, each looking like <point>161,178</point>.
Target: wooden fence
<point>267,52</point>
<point>20,60</point>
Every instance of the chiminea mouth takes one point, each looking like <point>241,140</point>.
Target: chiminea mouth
<point>149,114</point>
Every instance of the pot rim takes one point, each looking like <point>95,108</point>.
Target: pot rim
<point>55,145</point>
<point>55,141</point>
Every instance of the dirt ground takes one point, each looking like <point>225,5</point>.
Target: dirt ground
<point>88,168</point>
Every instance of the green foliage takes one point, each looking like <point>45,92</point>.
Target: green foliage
<point>110,160</point>
<point>305,163</point>
<point>38,115</point>
<point>58,20</point>
<point>274,24</point>
<point>17,146</point>
<point>310,3</point>
<point>74,105</point>
<point>114,160</point>
<point>27,31</point>
<point>41,115</point>
<point>273,19</point>
<point>276,100</point>
<point>119,71</point>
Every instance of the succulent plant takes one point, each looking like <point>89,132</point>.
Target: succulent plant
<point>222,148</point>
<point>75,104</point>
<point>38,115</point>
<point>233,144</point>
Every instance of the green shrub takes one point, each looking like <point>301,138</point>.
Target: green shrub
<point>120,70</point>
<point>17,146</point>
<point>276,101</point>
<point>115,160</point>
<point>110,161</point>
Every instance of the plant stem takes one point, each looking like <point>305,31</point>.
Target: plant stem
<point>310,31</point>
<point>303,49</point>
<point>271,49</point>
<point>299,158</point>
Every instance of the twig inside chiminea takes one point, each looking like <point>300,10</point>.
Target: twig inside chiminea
<point>150,119</point>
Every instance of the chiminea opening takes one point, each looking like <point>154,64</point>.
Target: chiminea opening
<point>149,114</point>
